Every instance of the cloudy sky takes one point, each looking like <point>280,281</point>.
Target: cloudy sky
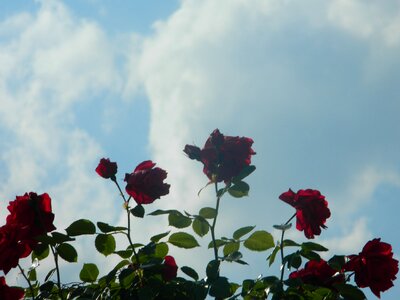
<point>315,84</point>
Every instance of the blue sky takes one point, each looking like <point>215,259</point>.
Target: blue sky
<point>314,84</point>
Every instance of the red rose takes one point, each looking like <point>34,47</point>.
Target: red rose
<point>31,216</point>
<point>318,273</point>
<point>223,157</point>
<point>146,184</point>
<point>374,266</point>
<point>9,293</point>
<point>11,250</point>
<point>311,210</point>
<point>170,269</point>
<point>107,169</point>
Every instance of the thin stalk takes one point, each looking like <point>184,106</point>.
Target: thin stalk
<point>129,234</point>
<point>27,280</point>
<point>212,229</point>
<point>55,254</point>
<point>281,246</point>
<point>126,205</point>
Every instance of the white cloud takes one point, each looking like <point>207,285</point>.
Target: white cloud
<point>52,63</point>
<point>293,78</point>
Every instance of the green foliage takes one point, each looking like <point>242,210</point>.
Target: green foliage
<point>89,273</point>
<point>183,240</point>
<point>81,227</point>
<point>67,252</point>
<point>105,244</point>
<point>259,241</point>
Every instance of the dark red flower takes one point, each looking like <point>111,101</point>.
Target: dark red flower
<point>311,210</point>
<point>9,293</point>
<point>31,216</point>
<point>223,157</point>
<point>170,268</point>
<point>145,184</point>
<point>318,273</point>
<point>374,266</point>
<point>11,249</point>
<point>107,169</point>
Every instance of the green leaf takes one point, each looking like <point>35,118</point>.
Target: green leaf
<point>81,227</point>
<point>239,189</point>
<point>178,220</point>
<point>310,255</point>
<point>183,240</point>
<point>89,273</point>
<point>212,270</point>
<point>105,244</point>
<point>271,258</point>
<point>283,227</point>
<point>231,247</point>
<point>138,211</point>
<point>208,212</point>
<point>295,261</point>
<point>49,274</point>
<point>162,212</point>
<point>350,292</point>
<point>289,243</point>
<point>310,246</point>
<point>158,237</point>
<point>242,231</point>
<point>200,226</point>
<point>32,275</point>
<point>161,250</point>
<point>40,252</point>
<point>124,253</point>
<point>235,257</point>
<point>190,272</point>
<point>106,228</point>
<point>67,252</point>
<point>220,288</point>
<point>259,241</point>
<point>126,277</point>
<point>60,238</point>
<point>337,262</point>
<point>218,243</point>
<point>246,171</point>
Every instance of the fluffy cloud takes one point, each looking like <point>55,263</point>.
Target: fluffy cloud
<point>312,85</point>
<point>50,63</point>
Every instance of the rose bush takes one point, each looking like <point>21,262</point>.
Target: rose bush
<point>148,270</point>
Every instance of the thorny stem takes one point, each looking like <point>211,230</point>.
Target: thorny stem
<point>212,229</point>
<point>29,282</point>
<point>281,248</point>
<point>55,254</point>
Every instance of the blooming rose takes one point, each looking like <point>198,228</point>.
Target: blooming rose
<point>11,250</point>
<point>9,293</point>
<point>31,216</point>
<point>318,273</point>
<point>374,266</point>
<point>170,269</point>
<point>223,157</point>
<point>311,210</point>
<point>145,184</point>
<point>107,169</point>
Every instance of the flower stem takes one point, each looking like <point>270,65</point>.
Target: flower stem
<point>29,282</point>
<point>55,254</point>
<point>126,205</point>
<point>120,191</point>
<point>129,234</point>
<point>281,246</point>
<point>212,229</point>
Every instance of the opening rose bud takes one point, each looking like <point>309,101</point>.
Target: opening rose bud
<point>107,169</point>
